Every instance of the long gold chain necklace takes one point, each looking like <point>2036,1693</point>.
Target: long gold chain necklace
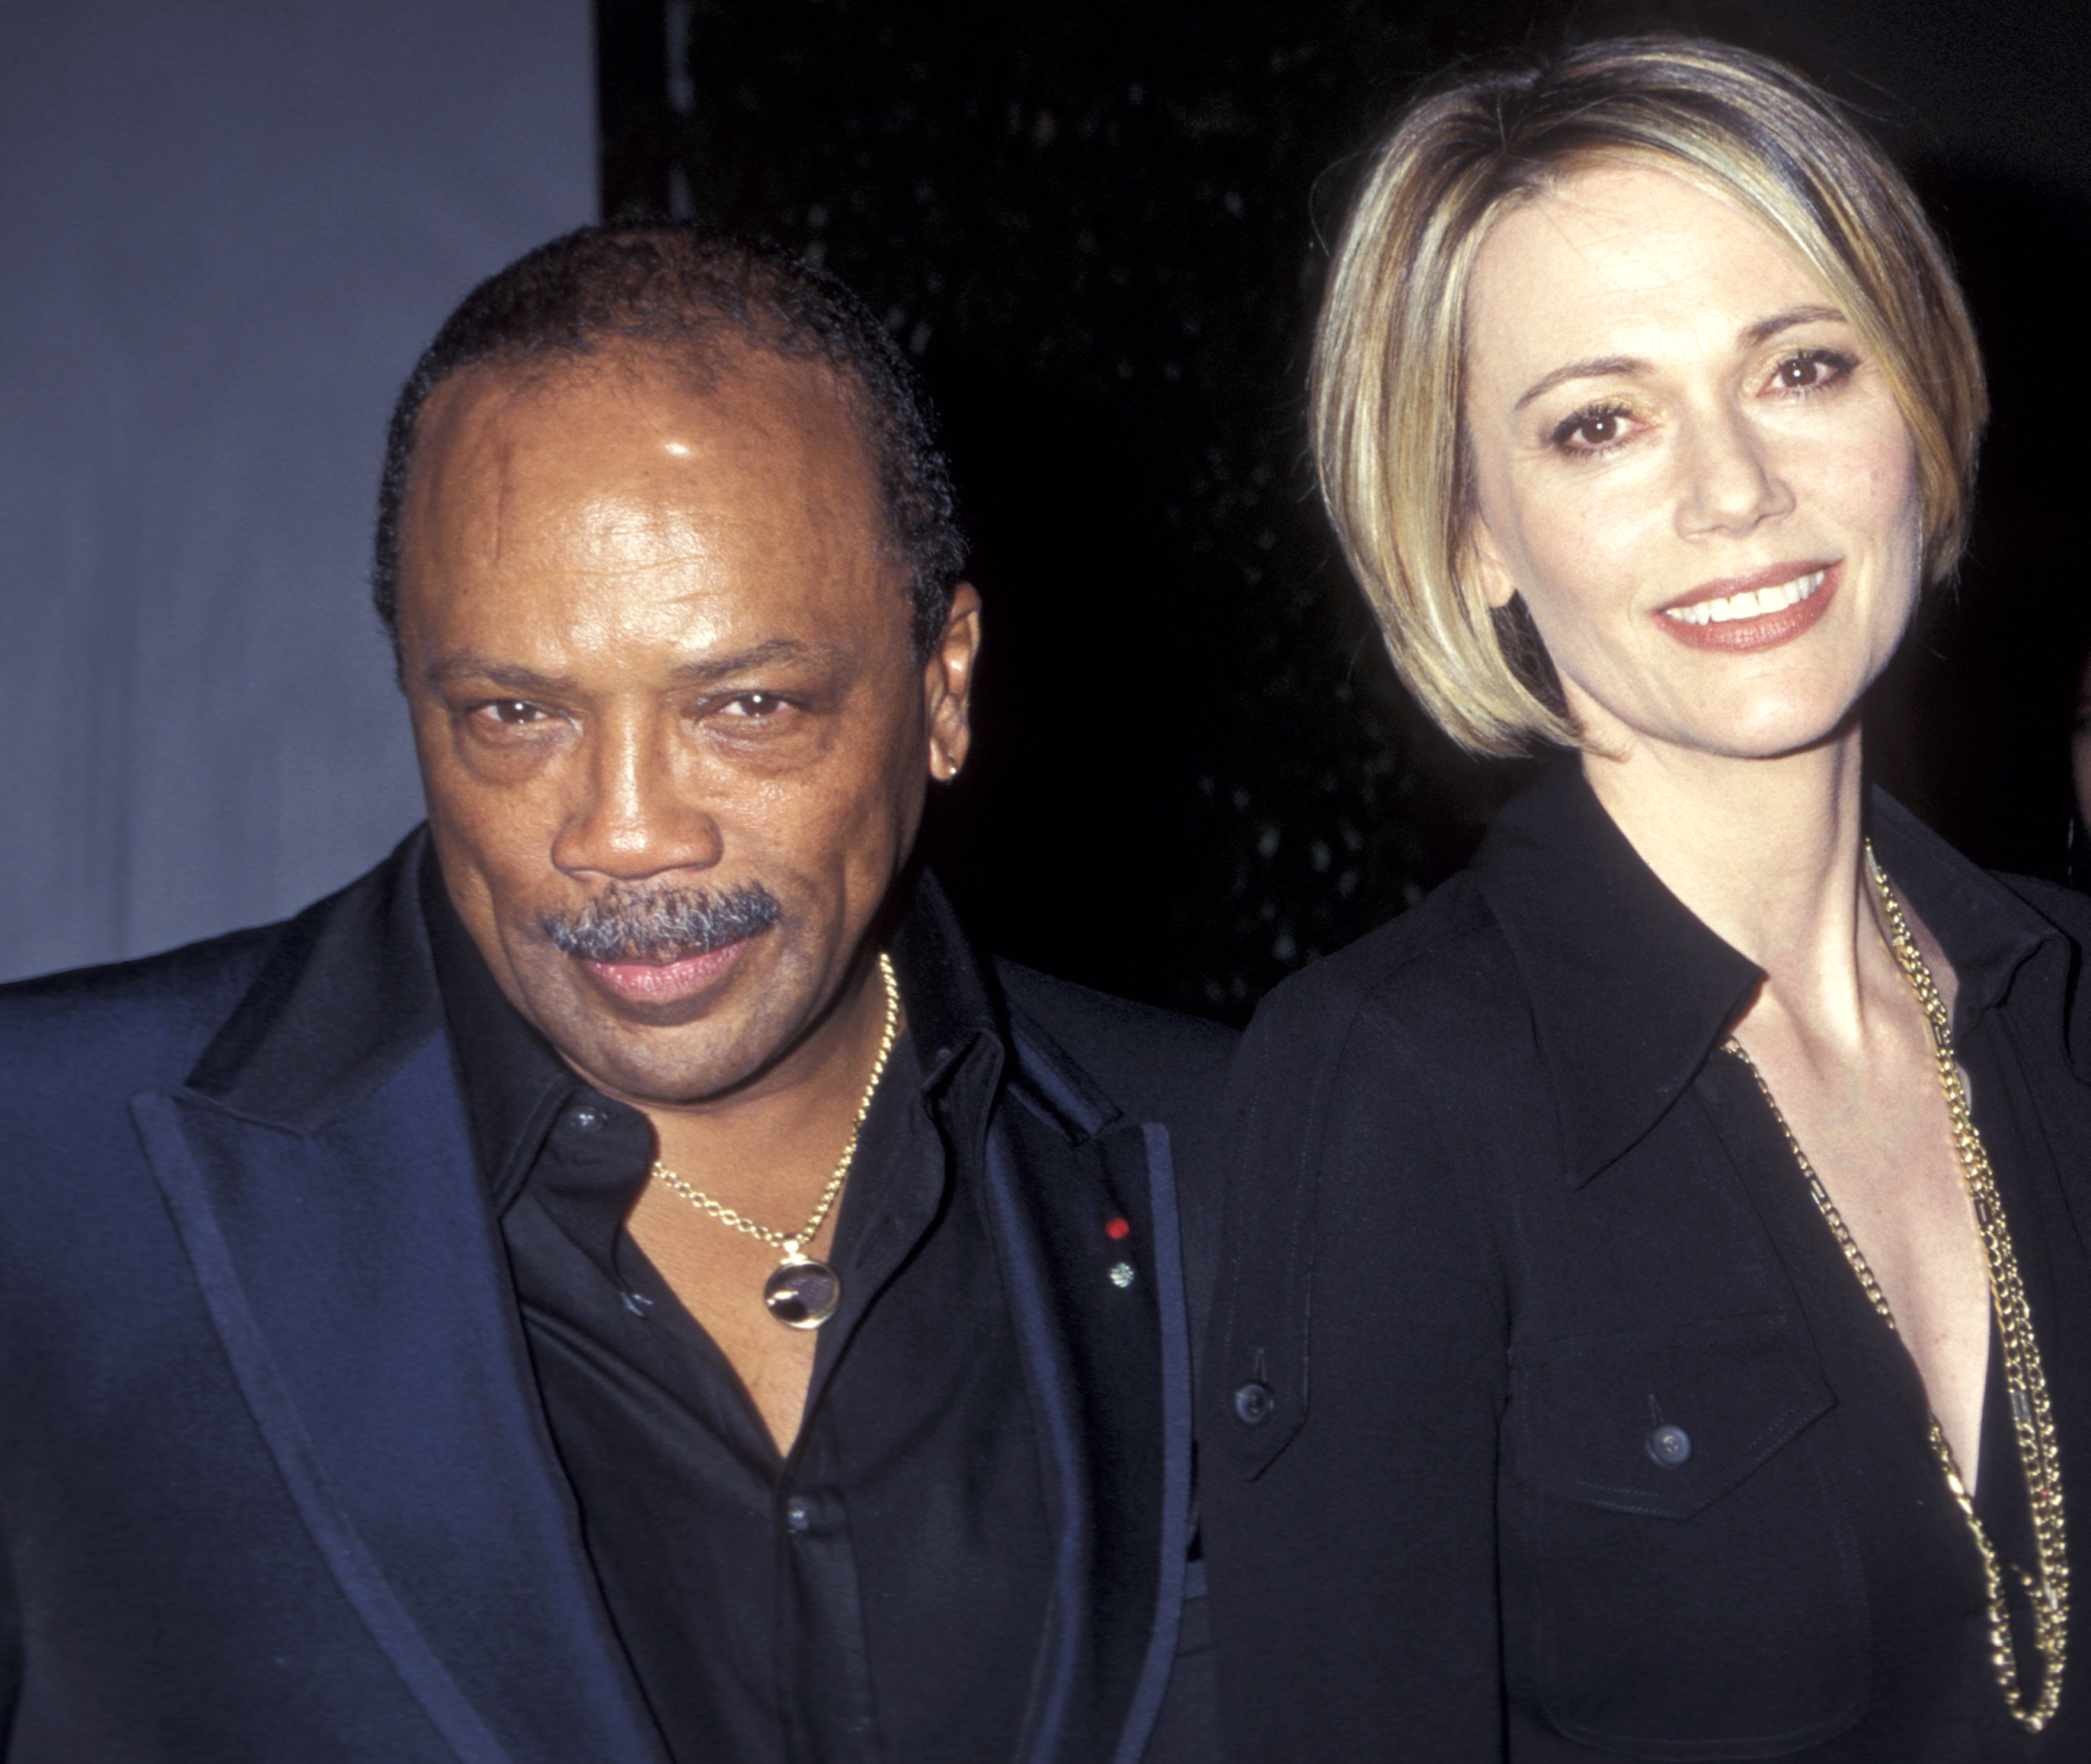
<point>2033,1422</point>
<point>801,1292</point>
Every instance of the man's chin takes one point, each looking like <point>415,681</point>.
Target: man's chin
<point>648,1057</point>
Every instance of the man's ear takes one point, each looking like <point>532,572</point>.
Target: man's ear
<point>1482,563</point>
<point>947,684</point>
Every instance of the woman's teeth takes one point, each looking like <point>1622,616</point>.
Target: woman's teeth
<point>1752,603</point>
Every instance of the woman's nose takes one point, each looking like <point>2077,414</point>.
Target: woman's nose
<point>1731,481</point>
<point>639,813</point>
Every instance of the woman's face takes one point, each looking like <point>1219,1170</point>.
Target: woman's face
<point>1689,466</point>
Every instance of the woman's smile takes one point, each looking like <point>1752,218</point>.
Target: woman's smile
<point>1752,615</point>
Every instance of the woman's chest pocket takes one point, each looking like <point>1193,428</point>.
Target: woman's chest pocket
<point>1682,1567</point>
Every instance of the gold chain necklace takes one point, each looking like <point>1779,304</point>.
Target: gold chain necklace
<point>801,1292</point>
<point>2031,1422</point>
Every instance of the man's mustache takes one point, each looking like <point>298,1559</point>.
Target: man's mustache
<point>629,924</point>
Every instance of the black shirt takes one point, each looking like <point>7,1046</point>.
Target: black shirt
<point>878,1593</point>
<point>1502,1194</point>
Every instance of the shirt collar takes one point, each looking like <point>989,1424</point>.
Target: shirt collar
<point>943,988</point>
<point>1987,931</point>
<point>515,1085</point>
<point>1630,992</point>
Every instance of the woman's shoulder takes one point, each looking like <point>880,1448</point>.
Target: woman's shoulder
<point>1429,1009</point>
<point>1447,954</point>
<point>2068,909</point>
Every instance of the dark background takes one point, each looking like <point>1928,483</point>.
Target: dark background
<point>1102,231</point>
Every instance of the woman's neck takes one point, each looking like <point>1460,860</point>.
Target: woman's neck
<point>1768,855</point>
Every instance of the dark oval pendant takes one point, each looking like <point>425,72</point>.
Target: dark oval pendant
<point>802,1295</point>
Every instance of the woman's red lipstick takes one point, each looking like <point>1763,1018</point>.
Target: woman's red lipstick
<point>1773,605</point>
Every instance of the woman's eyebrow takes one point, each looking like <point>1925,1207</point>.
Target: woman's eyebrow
<point>1603,368</point>
<point>1613,366</point>
<point>1765,329</point>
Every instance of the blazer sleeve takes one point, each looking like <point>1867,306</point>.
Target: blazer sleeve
<point>1352,1400</point>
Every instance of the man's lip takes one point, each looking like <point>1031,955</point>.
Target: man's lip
<point>1720,626</point>
<point>666,982</point>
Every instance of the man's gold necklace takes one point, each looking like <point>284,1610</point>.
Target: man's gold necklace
<point>801,1292</point>
<point>2033,1422</point>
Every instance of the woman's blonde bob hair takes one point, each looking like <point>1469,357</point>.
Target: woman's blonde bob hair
<point>1387,387</point>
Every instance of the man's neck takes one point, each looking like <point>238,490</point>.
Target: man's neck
<point>757,1141</point>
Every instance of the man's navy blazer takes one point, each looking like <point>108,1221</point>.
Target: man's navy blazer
<point>274,1482</point>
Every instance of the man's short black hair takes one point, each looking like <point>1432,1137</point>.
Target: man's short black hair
<point>678,291</point>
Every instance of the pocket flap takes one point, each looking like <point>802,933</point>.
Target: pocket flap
<point>1661,1423</point>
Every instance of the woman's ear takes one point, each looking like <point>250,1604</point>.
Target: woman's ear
<point>1484,567</point>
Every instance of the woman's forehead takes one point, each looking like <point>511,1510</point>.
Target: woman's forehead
<point>1615,254</point>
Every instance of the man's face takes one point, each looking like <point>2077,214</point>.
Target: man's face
<point>674,740</point>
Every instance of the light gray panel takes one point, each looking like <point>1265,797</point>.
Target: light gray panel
<point>227,229</point>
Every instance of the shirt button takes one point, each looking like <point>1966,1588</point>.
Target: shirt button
<point>1669,1445</point>
<point>587,1119</point>
<point>1253,1404</point>
<point>796,1517</point>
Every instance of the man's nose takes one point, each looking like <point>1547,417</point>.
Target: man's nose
<point>1732,479</point>
<point>639,813</point>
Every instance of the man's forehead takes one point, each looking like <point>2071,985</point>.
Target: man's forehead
<point>723,398</point>
<point>633,439</point>
<point>613,493</point>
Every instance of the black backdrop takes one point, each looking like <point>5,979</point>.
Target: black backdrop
<point>1101,230</point>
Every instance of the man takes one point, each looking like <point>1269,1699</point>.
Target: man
<point>621,1281</point>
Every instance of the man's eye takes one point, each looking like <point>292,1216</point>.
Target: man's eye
<point>512,712</point>
<point>755,705</point>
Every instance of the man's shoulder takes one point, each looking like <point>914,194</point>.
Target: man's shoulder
<point>128,1024</point>
<point>1152,1063</point>
<point>144,1023</point>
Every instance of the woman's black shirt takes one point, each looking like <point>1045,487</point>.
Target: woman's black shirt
<point>1503,1212</point>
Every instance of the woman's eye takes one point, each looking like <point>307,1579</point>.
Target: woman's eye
<point>1590,431</point>
<point>1811,368</point>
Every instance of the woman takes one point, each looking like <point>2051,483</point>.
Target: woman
<point>1655,1317</point>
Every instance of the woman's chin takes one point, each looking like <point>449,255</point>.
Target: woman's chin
<point>1785,729</point>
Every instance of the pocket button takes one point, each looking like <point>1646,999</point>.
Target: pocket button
<point>1669,1445</point>
<point>1253,1404</point>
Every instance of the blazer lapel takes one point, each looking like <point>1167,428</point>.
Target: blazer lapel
<point>1095,1277</point>
<point>348,1259</point>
